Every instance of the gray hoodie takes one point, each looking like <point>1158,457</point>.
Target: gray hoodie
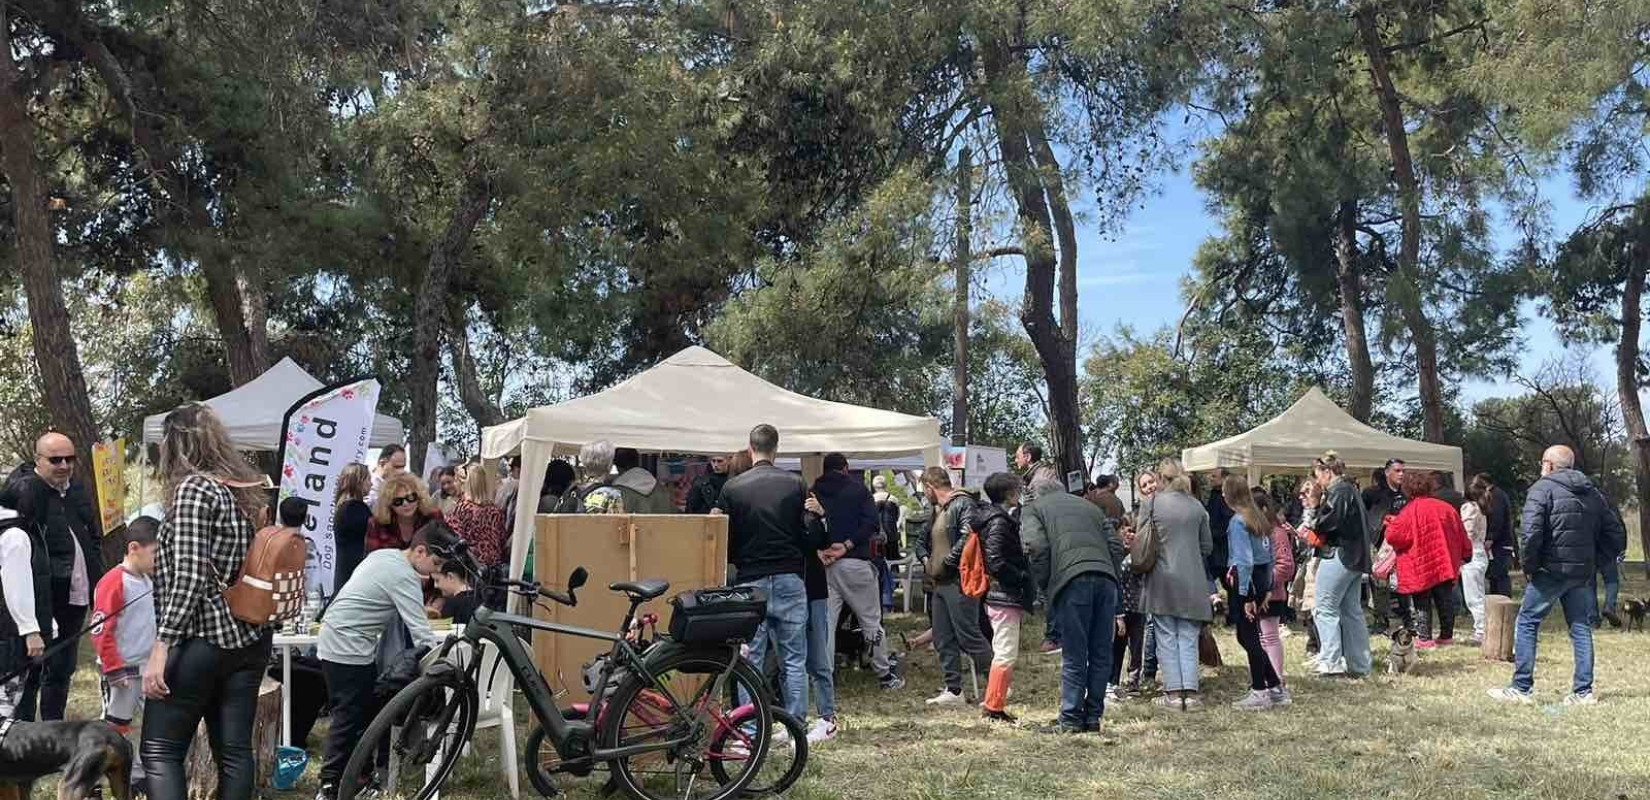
<point>642,493</point>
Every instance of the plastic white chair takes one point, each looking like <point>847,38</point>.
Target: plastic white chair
<point>912,576</point>
<point>496,710</point>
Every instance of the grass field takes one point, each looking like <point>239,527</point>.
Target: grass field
<point>1428,734</point>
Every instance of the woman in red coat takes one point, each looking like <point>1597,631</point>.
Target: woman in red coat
<point>1431,544</point>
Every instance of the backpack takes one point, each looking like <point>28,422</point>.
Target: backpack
<point>971,569</point>
<point>271,585</point>
<point>1147,544</point>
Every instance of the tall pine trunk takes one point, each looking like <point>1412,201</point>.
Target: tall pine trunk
<point>1627,380</point>
<point>964,254</point>
<point>61,379</point>
<point>1349,277</point>
<point>1407,289</point>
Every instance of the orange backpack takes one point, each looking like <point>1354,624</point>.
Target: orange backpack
<point>271,586</point>
<point>971,568</point>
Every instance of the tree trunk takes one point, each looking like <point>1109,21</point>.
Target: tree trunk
<point>1409,290</point>
<point>1627,379</point>
<point>1350,278</point>
<point>255,291</point>
<point>964,253</point>
<point>1033,189</point>
<point>62,382</point>
<point>430,309</point>
<point>485,412</point>
<point>223,289</point>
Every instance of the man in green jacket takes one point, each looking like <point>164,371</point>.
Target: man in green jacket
<point>956,615</point>
<point>1075,551</point>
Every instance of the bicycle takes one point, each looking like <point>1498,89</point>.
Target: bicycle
<point>651,739</point>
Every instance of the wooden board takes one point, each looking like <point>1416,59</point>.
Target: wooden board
<point>690,551</point>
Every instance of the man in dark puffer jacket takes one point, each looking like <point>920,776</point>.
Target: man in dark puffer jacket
<point>1568,526</point>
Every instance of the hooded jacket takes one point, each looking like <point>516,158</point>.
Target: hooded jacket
<point>1005,558</point>
<point>642,493</point>
<point>850,513</point>
<point>1569,526</point>
<point>704,493</point>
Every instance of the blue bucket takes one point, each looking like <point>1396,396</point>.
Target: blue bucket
<point>289,767</point>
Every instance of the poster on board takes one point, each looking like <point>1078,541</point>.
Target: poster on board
<point>109,473</point>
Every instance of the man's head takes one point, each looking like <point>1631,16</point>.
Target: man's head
<point>142,544</point>
<point>1110,483</point>
<point>447,479</point>
<point>836,462</point>
<point>1028,454</point>
<point>392,459</point>
<point>764,443</point>
<point>879,484</point>
<point>293,512</point>
<point>54,459</point>
<point>1558,457</point>
<point>596,459</point>
<point>432,547</point>
<point>626,459</point>
<point>558,477</point>
<point>936,484</point>
<point>1395,474</point>
<point>1003,488</point>
<point>719,465</point>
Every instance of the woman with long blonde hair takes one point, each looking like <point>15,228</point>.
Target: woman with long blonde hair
<point>402,508</point>
<point>1176,590</point>
<point>205,664</point>
<point>477,520</point>
<point>351,518</point>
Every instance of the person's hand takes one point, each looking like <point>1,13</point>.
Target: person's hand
<point>35,644</point>
<point>813,506</point>
<point>1249,610</point>
<point>119,682</point>
<point>154,673</point>
<point>717,512</point>
<point>1122,626</point>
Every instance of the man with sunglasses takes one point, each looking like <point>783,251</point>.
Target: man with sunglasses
<point>63,512</point>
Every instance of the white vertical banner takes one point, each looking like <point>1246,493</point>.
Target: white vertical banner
<point>322,434</point>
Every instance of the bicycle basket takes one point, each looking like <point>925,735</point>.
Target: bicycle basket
<point>717,616</point>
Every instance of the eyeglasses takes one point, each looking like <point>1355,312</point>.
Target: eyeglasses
<point>58,461</point>
<point>401,501</point>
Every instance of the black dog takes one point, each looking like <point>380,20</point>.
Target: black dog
<point>1636,609</point>
<point>85,752</point>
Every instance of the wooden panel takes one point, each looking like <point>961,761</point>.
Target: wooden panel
<point>688,551</point>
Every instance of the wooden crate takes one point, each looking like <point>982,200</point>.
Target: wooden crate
<point>690,551</point>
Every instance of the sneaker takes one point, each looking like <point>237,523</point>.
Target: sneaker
<point>1059,729</point>
<point>1171,702</point>
<point>1050,648</point>
<point>1508,694</point>
<point>328,791</point>
<point>1280,697</point>
<point>1254,701</point>
<point>1326,670</point>
<point>892,682</point>
<point>999,716</point>
<point>823,730</point>
<point>1446,642</point>
<point>1588,699</point>
<point>1312,663</point>
<point>946,697</point>
<point>1191,701</point>
<point>1426,644</point>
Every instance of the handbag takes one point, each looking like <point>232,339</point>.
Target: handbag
<point>1385,562</point>
<point>1143,555</point>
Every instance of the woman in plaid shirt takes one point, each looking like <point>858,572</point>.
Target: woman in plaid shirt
<point>206,664</point>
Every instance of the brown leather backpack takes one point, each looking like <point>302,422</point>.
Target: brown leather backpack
<point>271,586</point>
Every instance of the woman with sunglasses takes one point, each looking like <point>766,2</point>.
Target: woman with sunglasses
<point>402,508</point>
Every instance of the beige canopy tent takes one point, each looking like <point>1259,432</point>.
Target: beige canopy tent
<point>1314,424</point>
<point>698,402</point>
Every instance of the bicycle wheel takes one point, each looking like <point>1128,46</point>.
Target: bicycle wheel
<point>639,714</point>
<point>787,755</point>
<point>421,730</point>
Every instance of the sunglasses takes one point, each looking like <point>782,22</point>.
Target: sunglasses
<point>401,501</point>
<point>59,461</point>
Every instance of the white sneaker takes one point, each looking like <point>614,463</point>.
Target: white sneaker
<point>1254,701</point>
<point>1588,699</point>
<point>1508,694</point>
<point>823,730</point>
<point>946,697</point>
<point>1280,697</point>
<point>1326,669</point>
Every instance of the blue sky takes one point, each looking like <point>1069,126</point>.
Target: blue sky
<point>1133,278</point>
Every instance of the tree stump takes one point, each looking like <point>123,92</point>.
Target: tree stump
<point>266,734</point>
<point>1500,626</point>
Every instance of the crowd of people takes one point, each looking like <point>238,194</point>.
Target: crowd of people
<point>1129,597</point>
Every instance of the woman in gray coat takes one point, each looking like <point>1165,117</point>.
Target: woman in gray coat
<point>1176,592</point>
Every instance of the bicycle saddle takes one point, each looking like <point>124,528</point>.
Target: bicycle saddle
<point>646,590</point>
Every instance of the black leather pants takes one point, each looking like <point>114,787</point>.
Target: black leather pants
<point>211,684</point>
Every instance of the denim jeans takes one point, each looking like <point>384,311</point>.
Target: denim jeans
<point>1338,612</point>
<point>1177,651</point>
<point>1540,595</point>
<point>1611,570</point>
<point>787,624</point>
<point>1086,608</point>
<point>822,658</point>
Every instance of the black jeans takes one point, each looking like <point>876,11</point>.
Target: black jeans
<point>51,684</point>
<point>1498,578</point>
<point>219,686</point>
<point>352,691</point>
<point>1441,597</point>
<point>1133,641</point>
<point>1262,675</point>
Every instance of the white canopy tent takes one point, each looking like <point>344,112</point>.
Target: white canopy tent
<point>698,402</point>
<point>253,412</point>
<point>1291,440</point>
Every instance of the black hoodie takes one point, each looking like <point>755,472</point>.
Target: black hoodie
<point>850,512</point>
<point>1569,526</point>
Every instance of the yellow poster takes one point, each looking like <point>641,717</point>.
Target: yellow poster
<point>109,469</point>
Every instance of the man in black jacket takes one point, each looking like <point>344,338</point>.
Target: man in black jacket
<point>68,524</point>
<point>1568,526</point>
<point>956,615</point>
<point>772,526</point>
<point>852,521</point>
<point>707,488</point>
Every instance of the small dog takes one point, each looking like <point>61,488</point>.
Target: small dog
<point>1401,658</point>
<point>1635,610</point>
<point>84,751</point>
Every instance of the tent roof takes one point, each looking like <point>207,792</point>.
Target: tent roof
<point>1311,426</point>
<point>253,412</point>
<point>699,402</point>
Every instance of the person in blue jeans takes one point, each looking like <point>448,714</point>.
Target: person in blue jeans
<point>821,655</point>
<point>1610,569</point>
<point>1569,526</point>
<point>773,526</point>
<point>1335,525</point>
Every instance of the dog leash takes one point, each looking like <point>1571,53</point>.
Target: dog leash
<point>63,643</point>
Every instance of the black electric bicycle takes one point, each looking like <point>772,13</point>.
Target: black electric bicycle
<point>684,720</point>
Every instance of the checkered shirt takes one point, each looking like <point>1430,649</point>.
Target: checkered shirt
<point>202,544</point>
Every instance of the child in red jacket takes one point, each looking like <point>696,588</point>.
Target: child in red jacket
<point>123,627</point>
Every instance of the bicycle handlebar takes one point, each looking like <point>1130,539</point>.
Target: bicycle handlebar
<point>534,589</point>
